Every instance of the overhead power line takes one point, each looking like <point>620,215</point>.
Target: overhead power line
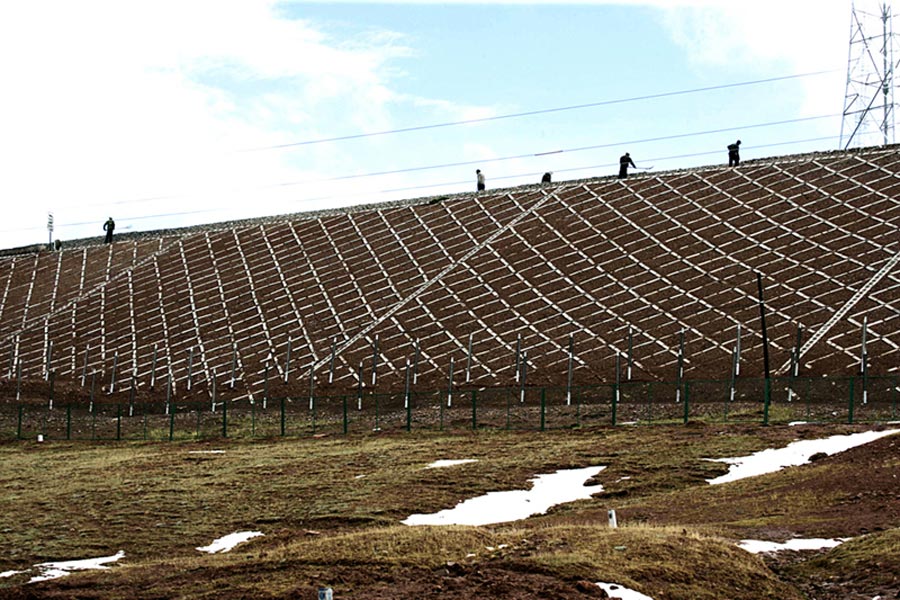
<point>542,111</point>
<point>444,184</point>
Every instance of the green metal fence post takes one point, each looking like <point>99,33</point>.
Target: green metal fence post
<point>19,424</point>
<point>282,416</point>
<point>687,402</point>
<point>543,407</point>
<point>474,410</point>
<point>768,400</point>
<point>408,412</point>
<point>850,403</point>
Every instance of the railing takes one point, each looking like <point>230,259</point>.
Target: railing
<point>780,400</point>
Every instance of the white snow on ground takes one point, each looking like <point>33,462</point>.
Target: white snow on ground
<point>548,490</point>
<point>759,546</point>
<point>796,453</point>
<point>224,544</point>
<point>440,464</point>
<point>614,590</point>
<point>55,570</point>
<point>9,573</point>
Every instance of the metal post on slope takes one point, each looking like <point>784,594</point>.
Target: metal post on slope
<point>153,369</point>
<point>359,386</point>
<point>375,361</point>
<point>331,362</point>
<point>112,380</point>
<point>312,384</point>
<point>863,361</point>
<point>233,366</point>
<point>569,370</point>
<point>416,363</point>
<point>450,385</point>
<point>680,374</point>
<point>49,359</point>
<point>517,366</point>
<point>87,350</point>
<point>765,336</point>
<point>190,369</point>
<point>469,358</point>
<point>524,377</point>
<point>737,352</point>
<point>630,353</point>
<point>287,362</point>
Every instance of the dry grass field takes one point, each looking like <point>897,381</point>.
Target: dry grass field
<point>330,509</point>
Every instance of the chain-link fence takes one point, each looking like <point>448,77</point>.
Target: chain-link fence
<point>783,400</point>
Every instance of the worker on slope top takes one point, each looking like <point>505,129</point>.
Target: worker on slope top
<point>734,155</point>
<point>108,227</point>
<point>479,176</point>
<point>546,178</point>
<point>624,161</point>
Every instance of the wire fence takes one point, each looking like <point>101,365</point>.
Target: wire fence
<point>746,400</point>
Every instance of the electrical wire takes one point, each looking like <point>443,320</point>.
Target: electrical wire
<point>541,111</point>
<point>444,184</point>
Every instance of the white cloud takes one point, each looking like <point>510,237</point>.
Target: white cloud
<point>103,98</point>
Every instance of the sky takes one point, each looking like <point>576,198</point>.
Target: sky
<point>181,112</point>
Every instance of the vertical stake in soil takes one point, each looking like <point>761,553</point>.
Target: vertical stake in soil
<point>153,369</point>
<point>112,379</point>
<point>863,360</point>
<point>87,350</point>
<point>517,366</point>
<point>523,377</point>
<point>569,370</point>
<point>18,380</point>
<point>630,353</point>
<point>168,392</point>
<point>416,363</point>
<point>287,361</point>
<point>406,389</point>
<point>680,374</point>
<point>331,362</point>
<point>737,351</point>
<point>93,379</point>
<point>131,397</point>
<point>266,386</point>
<point>190,373</point>
<point>233,366</point>
<point>49,359</point>
<point>213,392</point>
<point>359,386</point>
<point>374,361</point>
<point>765,335</point>
<point>469,359</point>
<point>450,385</point>
<point>52,381</point>
<point>312,384</point>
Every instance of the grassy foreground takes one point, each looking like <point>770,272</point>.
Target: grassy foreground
<point>330,509</point>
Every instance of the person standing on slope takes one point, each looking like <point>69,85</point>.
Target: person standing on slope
<point>479,176</point>
<point>734,154</point>
<point>624,162</point>
<point>108,227</point>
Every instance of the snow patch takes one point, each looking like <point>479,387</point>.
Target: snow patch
<point>614,590</point>
<point>566,485</point>
<point>9,573</point>
<point>795,453</point>
<point>55,570</point>
<point>224,544</point>
<point>440,464</point>
<point>760,546</point>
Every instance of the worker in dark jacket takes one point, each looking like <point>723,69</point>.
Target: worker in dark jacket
<point>624,161</point>
<point>734,154</point>
<point>479,180</point>
<point>108,227</point>
<point>546,178</point>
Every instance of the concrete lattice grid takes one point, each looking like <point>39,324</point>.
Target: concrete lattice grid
<point>656,255</point>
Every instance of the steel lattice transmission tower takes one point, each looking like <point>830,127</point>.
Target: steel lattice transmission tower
<point>868,117</point>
